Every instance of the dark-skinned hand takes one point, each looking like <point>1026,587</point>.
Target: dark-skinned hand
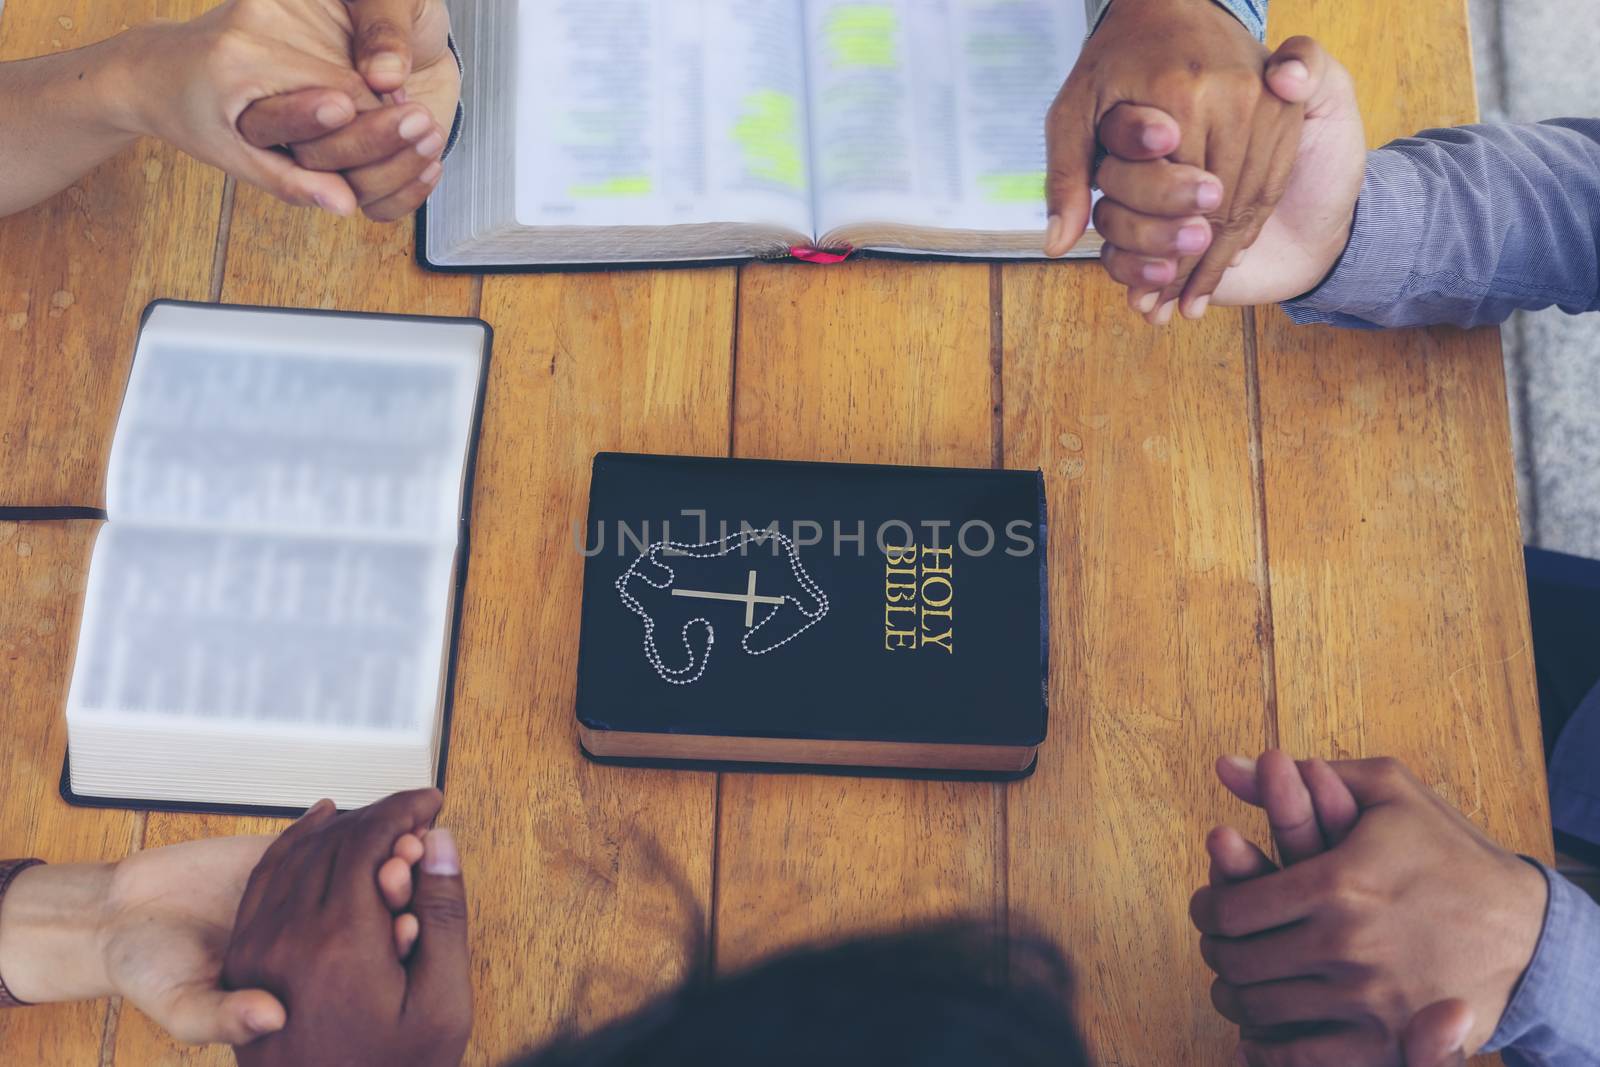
<point>314,929</point>
<point>1195,62</point>
<point>1383,964</point>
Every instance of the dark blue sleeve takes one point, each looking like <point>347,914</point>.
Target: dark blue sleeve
<point>1464,226</point>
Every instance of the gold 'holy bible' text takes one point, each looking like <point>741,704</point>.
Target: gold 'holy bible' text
<point>918,595</point>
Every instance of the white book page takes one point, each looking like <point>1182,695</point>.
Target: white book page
<point>661,112</point>
<point>262,633</point>
<point>261,422</point>
<point>930,113</point>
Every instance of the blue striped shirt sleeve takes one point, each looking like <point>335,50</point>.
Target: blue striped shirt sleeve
<point>1464,226</point>
<point>1253,13</point>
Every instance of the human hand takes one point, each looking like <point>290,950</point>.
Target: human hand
<point>152,928</point>
<point>1310,809</point>
<point>189,83</point>
<point>1150,200</point>
<point>1358,947</point>
<point>311,929</point>
<point>389,156</point>
<point>1194,61</point>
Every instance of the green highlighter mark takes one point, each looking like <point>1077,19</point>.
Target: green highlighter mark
<point>1025,188</point>
<point>862,35</point>
<point>768,133</point>
<point>636,185</point>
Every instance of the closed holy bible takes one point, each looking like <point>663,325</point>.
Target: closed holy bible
<point>830,617</point>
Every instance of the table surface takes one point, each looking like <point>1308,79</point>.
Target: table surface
<point>1264,535</point>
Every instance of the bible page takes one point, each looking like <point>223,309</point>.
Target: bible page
<point>285,495</point>
<point>662,112</point>
<point>930,113</point>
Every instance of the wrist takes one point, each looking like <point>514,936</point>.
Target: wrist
<point>50,933</point>
<point>1526,897</point>
<point>120,86</point>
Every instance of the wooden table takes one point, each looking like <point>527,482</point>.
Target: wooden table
<point>1264,535</point>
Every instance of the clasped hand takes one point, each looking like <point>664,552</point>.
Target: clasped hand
<point>341,104</point>
<point>1394,934</point>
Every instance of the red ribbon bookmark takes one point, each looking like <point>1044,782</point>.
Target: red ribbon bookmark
<point>821,255</point>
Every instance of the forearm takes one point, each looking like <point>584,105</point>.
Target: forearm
<point>50,922</point>
<point>62,115</point>
<point>1252,13</point>
<point>1464,226</point>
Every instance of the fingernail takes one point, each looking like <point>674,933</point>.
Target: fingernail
<point>1208,195</point>
<point>430,172</point>
<point>324,802</point>
<point>430,145</point>
<point>1147,303</point>
<point>1154,272</point>
<point>1197,307</point>
<point>1191,240</point>
<point>1238,259</point>
<point>415,125</point>
<point>1295,69</point>
<point>1053,234</point>
<point>330,115</point>
<point>328,205</point>
<point>1456,1039</point>
<point>439,855</point>
<point>1164,316</point>
<point>1153,138</point>
<point>1242,763</point>
<point>386,63</point>
<point>261,1022</point>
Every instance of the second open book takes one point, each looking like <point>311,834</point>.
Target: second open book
<point>650,131</point>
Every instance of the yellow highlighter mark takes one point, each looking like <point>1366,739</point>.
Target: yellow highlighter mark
<point>862,35</point>
<point>1023,188</point>
<point>634,185</point>
<point>768,133</point>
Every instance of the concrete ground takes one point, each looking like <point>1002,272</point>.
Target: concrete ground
<point>1535,60</point>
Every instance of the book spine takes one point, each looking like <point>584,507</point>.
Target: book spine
<point>807,254</point>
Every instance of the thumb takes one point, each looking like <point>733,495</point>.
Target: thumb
<point>381,38</point>
<point>1437,1035</point>
<point>209,1016</point>
<point>1302,72</point>
<point>1069,149</point>
<point>1295,72</point>
<point>440,967</point>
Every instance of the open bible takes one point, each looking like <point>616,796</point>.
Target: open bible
<point>654,131</point>
<point>271,605</point>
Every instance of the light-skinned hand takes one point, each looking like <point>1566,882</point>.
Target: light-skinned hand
<point>250,74</point>
<point>1150,201</point>
<point>312,930</point>
<point>1400,944</point>
<point>1196,63</point>
<point>389,156</point>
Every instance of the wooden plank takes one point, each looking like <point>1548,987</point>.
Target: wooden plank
<point>590,886</point>
<point>278,255</point>
<point>42,568</point>
<point>80,269</point>
<point>1157,665</point>
<point>869,362</point>
<point>1399,604</point>
<point>1400,615</point>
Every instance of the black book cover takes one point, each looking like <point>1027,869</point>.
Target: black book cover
<point>761,598</point>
